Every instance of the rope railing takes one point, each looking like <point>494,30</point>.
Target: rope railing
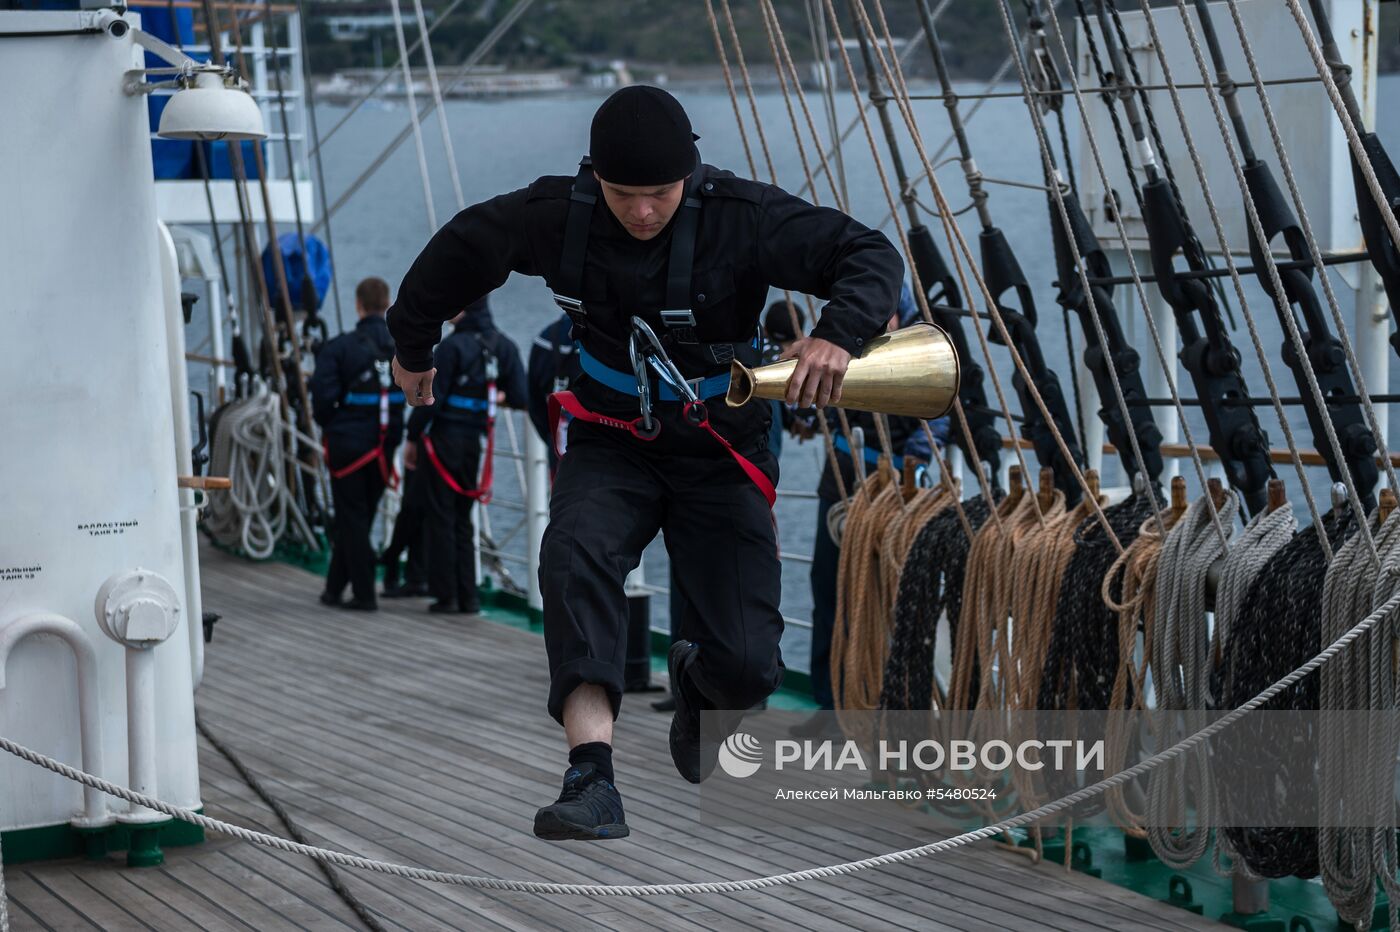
<point>409,872</point>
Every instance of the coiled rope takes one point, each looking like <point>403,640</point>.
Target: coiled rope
<point>1180,663</point>
<point>1129,590</point>
<point>250,441</point>
<point>1356,756</point>
<point>932,582</point>
<point>1279,624</point>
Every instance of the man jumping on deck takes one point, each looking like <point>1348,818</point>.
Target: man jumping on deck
<point>664,264</point>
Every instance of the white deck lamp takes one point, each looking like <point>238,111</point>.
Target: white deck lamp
<point>212,102</point>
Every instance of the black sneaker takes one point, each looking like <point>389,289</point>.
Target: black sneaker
<point>588,809</point>
<point>685,722</point>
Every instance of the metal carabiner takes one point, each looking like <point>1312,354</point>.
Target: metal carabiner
<point>639,369</point>
<point>655,354</point>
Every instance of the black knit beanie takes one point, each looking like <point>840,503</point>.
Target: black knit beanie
<point>641,136</point>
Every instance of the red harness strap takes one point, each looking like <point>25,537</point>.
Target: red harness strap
<point>386,469</point>
<point>568,402</point>
<point>482,492</point>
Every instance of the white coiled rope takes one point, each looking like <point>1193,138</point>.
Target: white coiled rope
<point>1181,666</point>
<point>1357,753</point>
<point>249,447</point>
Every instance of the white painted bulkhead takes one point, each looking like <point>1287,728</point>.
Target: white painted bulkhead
<point>88,470</point>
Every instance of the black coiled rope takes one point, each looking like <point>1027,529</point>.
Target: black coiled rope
<point>1278,630</point>
<point>1081,661</point>
<point>931,581</point>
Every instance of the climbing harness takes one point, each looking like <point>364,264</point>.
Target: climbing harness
<point>487,405</point>
<point>650,360</point>
<point>375,454</point>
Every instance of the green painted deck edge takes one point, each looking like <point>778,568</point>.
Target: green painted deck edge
<point>1294,905</point>
<point>55,842</point>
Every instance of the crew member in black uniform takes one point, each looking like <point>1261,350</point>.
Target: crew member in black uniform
<point>659,259</point>
<point>445,439</point>
<point>361,417</point>
<point>553,368</point>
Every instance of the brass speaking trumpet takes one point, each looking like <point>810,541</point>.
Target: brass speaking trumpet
<point>911,372</point>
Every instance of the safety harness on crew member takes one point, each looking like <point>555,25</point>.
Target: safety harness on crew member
<point>383,398</point>
<point>467,402</point>
<point>645,349</point>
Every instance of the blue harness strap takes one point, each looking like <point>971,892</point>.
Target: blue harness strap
<point>625,383</point>
<point>370,398</point>
<point>468,404</point>
<point>872,455</point>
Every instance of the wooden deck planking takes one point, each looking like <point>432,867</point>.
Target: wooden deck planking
<point>422,739</point>
<point>995,896</point>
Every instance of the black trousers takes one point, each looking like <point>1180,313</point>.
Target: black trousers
<point>611,497</point>
<point>356,498</point>
<point>451,555</point>
<point>826,558</point>
<point>410,527</point>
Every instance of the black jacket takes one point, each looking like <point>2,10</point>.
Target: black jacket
<point>553,364</point>
<point>345,387</point>
<point>460,360</point>
<point>751,237</point>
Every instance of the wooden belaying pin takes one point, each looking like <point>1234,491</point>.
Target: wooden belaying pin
<point>1387,502</point>
<point>1217,492</point>
<point>1277,496</point>
<point>1179,502</point>
<point>1091,479</point>
<point>1047,488</point>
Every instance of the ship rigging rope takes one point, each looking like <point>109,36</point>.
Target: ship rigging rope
<point>1286,166</point>
<point>1388,572</point>
<point>1058,198</point>
<point>443,128</point>
<point>773,174</point>
<point>920,290</point>
<point>406,68</point>
<point>463,72</point>
<point>1168,365</point>
<point>782,55</point>
<point>959,244</point>
<point>920,294</point>
<point>1363,159</point>
<point>1285,311</point>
